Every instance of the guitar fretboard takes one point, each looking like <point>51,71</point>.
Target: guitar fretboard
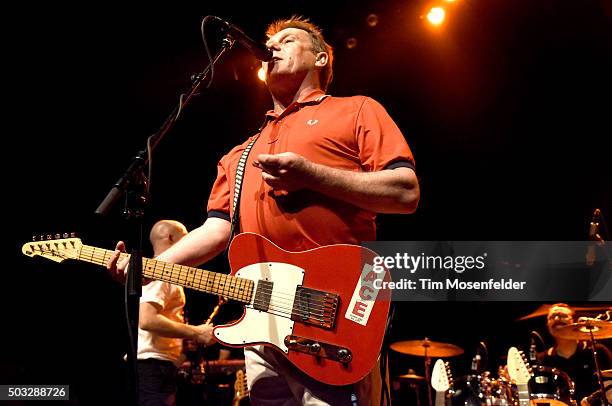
<point>229,286</point>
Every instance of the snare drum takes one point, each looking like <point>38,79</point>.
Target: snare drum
<point>551,387</point>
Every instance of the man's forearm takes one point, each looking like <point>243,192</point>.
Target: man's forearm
<point>163,326</point>
<point>200,245</point>
<point>386,191</point>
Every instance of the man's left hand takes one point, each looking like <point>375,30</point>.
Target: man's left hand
<point>286,171</point>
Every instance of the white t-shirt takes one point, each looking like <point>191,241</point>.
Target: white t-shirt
<point>171,298</point>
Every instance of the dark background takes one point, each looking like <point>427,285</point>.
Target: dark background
<point>506,108</point>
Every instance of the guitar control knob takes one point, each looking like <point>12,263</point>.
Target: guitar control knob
<point>344,355</point>
<point>290,342</point>
<point>315,348</point>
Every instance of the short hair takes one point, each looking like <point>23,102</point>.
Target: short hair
<point>316,37</point>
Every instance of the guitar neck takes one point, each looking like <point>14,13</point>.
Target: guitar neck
<point>440,398</point>
<point>523,392</point>
<point>229,286</point>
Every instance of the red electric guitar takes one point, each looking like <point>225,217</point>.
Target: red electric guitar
<point>324,309</point>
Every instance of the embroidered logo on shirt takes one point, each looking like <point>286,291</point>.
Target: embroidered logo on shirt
<point>312,122</point>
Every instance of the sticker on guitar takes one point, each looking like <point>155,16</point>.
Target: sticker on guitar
<point>364,296</point>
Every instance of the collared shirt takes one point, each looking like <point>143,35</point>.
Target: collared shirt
<point>349,133</point>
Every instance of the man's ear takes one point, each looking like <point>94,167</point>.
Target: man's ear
<point>321,59</point>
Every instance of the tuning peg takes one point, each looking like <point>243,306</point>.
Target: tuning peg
<point>34,237</point>
<point>65,235</point>
<point>72,234</point>
<point>57,236</point>
<point>49,237</point>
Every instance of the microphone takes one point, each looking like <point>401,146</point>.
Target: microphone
<point>533,354</point>
<point>477,363</point>
<point>532,350</point>
<point>260,51</point>
<point>594,226</point>
<point>593,236</point>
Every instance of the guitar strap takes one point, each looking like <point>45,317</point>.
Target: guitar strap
<point>238,189</point>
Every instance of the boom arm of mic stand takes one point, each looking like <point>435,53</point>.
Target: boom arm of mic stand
<point>141,159</point>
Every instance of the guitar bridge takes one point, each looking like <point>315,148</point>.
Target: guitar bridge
<point>315,307</point>
<point>319,349</point>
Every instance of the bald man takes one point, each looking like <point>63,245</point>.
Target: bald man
<point>162,326</point>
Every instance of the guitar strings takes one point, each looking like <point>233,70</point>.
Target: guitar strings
<point>315,301</point>
<point>100,258</point>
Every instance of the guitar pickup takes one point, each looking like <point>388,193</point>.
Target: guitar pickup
<point>319,349</point>
<point>315,307</point>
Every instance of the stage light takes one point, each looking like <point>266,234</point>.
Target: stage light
<point>436,15</point>
<point>450,1</point>
<point>351,43</point>
<point>372,20</point>
<point>261,74</point>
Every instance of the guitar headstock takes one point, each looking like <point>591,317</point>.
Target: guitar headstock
<point>241,390</point>
<point>58,249</point>
<point>518,366</point>
<point>440,376</point>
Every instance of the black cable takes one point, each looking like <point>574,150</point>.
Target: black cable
<point>384,393</point>
<point>210,58</point>
<point>131,348</point>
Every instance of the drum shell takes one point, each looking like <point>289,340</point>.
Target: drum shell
<point>551,386</point>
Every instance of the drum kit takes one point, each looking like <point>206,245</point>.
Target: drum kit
<point>544,386</point>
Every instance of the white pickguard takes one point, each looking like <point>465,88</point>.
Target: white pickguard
<point>261,327</point>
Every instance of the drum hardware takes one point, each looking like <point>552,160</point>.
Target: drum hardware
<point>427,349</point>
<point>413,380</point>
<point>195,366</point>
<point>585,329</point>
<point>410,377</point>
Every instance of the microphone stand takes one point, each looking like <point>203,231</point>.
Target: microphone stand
<point>134,185</point>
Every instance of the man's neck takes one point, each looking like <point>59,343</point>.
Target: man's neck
<point>566,348</point>
<point>284,96</point>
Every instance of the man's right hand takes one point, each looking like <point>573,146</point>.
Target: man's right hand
<point>204,333</point>
<point>118,268</point>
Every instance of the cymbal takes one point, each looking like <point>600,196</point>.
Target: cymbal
<point>543,310</point>
<point>581,330</point>
<point>410,377</point>
<point>422,347</point>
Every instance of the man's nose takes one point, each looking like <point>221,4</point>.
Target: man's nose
<point>275,46</point>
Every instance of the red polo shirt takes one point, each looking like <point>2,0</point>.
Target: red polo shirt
<point>350,133</point>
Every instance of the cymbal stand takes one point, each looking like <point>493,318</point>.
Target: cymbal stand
<point>597,369</point>
<point>427,374</point>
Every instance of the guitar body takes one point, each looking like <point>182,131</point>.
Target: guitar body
<point>342,270</point>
